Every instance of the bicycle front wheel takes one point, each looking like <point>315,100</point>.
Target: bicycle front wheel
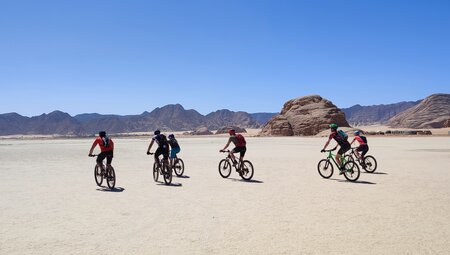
<point>111,177</point>
<point>167,174</point>
<point>224,168</point>
<point>155,172</point>
<point>246,170</point>
<point>325,168</point>
<point>351,171</point>
<point>98,175</point>
<point>179,167</point>
<point>370,164</point>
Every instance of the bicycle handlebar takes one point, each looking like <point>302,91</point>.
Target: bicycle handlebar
<point>224,151</point>
<point>93,155</point>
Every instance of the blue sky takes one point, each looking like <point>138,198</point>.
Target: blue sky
<point>125,57</point>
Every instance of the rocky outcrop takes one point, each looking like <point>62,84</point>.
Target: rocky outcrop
<point>225,130</point>
<point>432,112</point>
<point>375,114</point>
<point>223,118</point>
<point>304,116</point>
<point>447,123</point>
<point>201,131</point>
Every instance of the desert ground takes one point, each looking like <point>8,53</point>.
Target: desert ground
<point>50,203</point>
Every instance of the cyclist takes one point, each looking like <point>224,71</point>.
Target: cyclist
<point>341,138</point>
<point>175,148</point>
<point>239,141</point>
<point>106,145</point>
<point>363,146</point>
<point>163,146</point>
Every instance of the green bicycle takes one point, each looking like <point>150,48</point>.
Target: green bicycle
<point>325,167</point>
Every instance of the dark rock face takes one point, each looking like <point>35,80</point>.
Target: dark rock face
<point>432,112</point>
<point>225,130</point>
<point>221,118</point>
<point>375,114</point>
<point>304,116</point>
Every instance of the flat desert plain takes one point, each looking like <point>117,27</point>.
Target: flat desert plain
<point>50,203</point>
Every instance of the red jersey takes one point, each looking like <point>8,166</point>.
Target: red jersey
<point>360,140</point>
<point>100,143</point>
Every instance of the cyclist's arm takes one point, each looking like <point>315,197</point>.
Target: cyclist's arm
<point>92,147</point>
<point>150,146</point>
<point>226,145</point>
<point>112,144</point>
<point>352,141</point>
<point>326,144</point>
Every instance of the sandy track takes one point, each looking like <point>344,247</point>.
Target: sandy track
<point>51,205</point>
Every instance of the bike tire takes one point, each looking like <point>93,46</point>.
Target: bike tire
<point>370,164</point>
<point>155,172</point>
<point>247,170</point>
<point>111,177</point>
<point>351,171</point>
<point>325,168</point>
<point>224,168</point>
<point>178,167</point>
<point>98,175</point>
<point>167,174</point>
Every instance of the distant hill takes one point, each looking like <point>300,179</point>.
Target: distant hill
<point>375,114</point>
<point>262,117</point>
<point>169,118</point>
<point>432,112</point>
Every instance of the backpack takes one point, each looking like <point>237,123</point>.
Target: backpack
<point>363,138</point>
<point>240,140</point>
<point>106,142</point>
<point>343,135</point>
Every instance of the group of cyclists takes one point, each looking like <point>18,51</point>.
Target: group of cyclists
<point>170,147</point>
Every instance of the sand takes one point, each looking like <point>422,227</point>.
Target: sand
<point>50,203</point>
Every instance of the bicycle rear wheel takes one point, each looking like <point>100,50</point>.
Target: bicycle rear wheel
<point>370,164</point>
<point>98,175</point>
<point>155,172</point>
<point>178,167</point>
<point>246,171</point>
<point>224,168</point>
<point>167,174</point>
<point>325,168</point>
<point>351,171</point>
<point>111,177</point>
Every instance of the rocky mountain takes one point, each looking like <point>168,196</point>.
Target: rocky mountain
<point>432,112</point>
<point>304,116</point>
<point>262,117</point>
<point>375,114</point>
<point>169,118</point>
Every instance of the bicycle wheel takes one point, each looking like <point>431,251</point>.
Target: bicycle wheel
<point>167,174</point>
<point>98,176</point>
<point>246,170</point>
<point>325,168</point>
<point>155,172</point>
<point>370,164</point>
<point>351,171</point>
<point>224,168</point>
<point>111,177</point>
<point>178,167</point>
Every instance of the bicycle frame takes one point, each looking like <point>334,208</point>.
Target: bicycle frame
<point>332,156</point>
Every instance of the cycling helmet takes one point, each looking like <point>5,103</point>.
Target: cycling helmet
<point>171,136</point>
<point>232,132</point>
<point>102,133</point>
<point>157,132</point>
<point>356,132</point>
<point>333,126</point>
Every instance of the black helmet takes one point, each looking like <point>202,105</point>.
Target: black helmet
<point>171,136</point>
<point>157,132</point>
<point>102,133</point>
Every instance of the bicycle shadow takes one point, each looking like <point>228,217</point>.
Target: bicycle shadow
<point>357,182</point>
<point>381,173</point>
<point>183,177</point>
<point>175,185</point>
<point>242,180</point>
<point>115,190</point>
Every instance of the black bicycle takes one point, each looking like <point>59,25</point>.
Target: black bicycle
<point>178,166</point>
<point>162,168</point>
<point>369,164</point>
<point>244,168</point>
<point>106,172</point>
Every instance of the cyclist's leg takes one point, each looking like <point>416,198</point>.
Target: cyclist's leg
<point>364,151</point>
<point>109,158</point>
<point>242,151</point>
<point>158,152</point>
<point>166,157</point>
<point>344,148</point>
<point>231,153</point>
<point>100,159</point>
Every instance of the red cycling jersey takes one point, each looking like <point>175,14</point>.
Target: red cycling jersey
<point>99,141</point>
<point>360,140</point>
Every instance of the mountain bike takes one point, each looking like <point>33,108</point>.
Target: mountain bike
<point>164,169</point>
<point>106,172</point>
<point>244,168</point>
<point>325,167</point>
<point>178,166</point>
<point>369,164</point>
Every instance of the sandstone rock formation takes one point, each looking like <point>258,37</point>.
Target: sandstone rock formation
<point>225,130</point>
<point>304,116</point>
<point>201,131</point>
<point>432,112</point>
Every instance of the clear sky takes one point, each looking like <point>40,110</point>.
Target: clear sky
<point>125,57</point>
